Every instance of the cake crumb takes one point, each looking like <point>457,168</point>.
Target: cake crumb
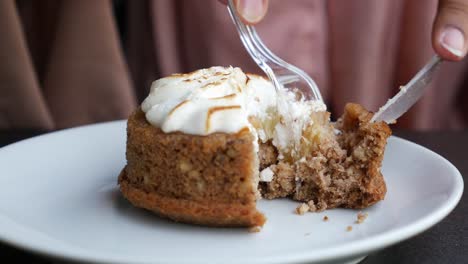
<point>349,228</point>
<point>325,218</point>
<point>321,206</point>
<point>302,209</point>
<point>361,217</point>
<point>254,229</point>
<point>312,206</point>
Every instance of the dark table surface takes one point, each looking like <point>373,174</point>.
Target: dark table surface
<point>447,242</point>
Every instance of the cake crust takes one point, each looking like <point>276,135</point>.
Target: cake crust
<point>366,144</point>
<point>209,213</point>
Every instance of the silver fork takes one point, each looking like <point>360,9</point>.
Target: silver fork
<point>281,73</point>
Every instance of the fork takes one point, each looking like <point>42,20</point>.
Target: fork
<point>281,73</point>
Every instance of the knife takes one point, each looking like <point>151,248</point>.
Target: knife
<point>408,94</point>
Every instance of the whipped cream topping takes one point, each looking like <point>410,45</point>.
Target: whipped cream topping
<point>206,101</point>
<point>221,99</point>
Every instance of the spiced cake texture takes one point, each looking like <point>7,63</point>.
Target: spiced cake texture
<point>209,180</point>
<point>339,170</point>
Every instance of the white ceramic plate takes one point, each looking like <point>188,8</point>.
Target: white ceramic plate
<point>59,198</point>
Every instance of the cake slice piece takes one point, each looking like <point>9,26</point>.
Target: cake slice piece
<point>339,168</point>
<point>210,180</point>
<point>206,145</point>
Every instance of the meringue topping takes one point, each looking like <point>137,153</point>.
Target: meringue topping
<point>220,99</point>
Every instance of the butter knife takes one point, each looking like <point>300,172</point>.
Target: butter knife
<point>408,94</point>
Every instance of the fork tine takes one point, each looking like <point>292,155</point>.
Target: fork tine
<point>262,47</point>
<point>286,79</point>
<point>256,40</point>
<point>251,47</point>
<point>243,33</point>
<point>269,54</point>
<point>263,56</point>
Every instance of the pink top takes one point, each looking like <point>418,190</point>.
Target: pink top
<point>63,63</point>
<point>357,51</point>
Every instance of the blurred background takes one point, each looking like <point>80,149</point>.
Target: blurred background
<point>65,63</point>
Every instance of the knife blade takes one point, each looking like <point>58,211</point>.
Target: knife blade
<point>408,94</point>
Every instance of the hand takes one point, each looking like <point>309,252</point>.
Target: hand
<point>449,34</point>
<point>450,30</point>
<point>250,11</point>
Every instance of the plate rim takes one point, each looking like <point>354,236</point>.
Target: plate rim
<point>356,248</point>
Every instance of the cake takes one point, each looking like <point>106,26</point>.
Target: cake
<point>205,146</point>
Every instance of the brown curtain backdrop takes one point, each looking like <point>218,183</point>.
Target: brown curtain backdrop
<point>62,62</point>
<point>62,65</point>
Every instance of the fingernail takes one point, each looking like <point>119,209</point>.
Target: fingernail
<point>251,10</point>
<point>453,40</point>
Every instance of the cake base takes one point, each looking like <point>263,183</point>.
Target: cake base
<point>214,180</point>
<point>206,213</point>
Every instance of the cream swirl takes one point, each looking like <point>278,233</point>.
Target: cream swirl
<point>206,101</point>
<point>226,100</point>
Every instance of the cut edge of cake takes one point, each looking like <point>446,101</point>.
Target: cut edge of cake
<point>208,180</point>
<point>350,136</point>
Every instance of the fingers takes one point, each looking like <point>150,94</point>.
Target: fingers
<point>449,35</point>
<point>250,11</point>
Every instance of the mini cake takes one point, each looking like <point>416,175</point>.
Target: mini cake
<point>206,145</point>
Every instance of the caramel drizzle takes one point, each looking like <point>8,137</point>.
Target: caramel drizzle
<point>177,106</point>
<point>211,84</point>
<point>224,97</point>
<point>213,110</point>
